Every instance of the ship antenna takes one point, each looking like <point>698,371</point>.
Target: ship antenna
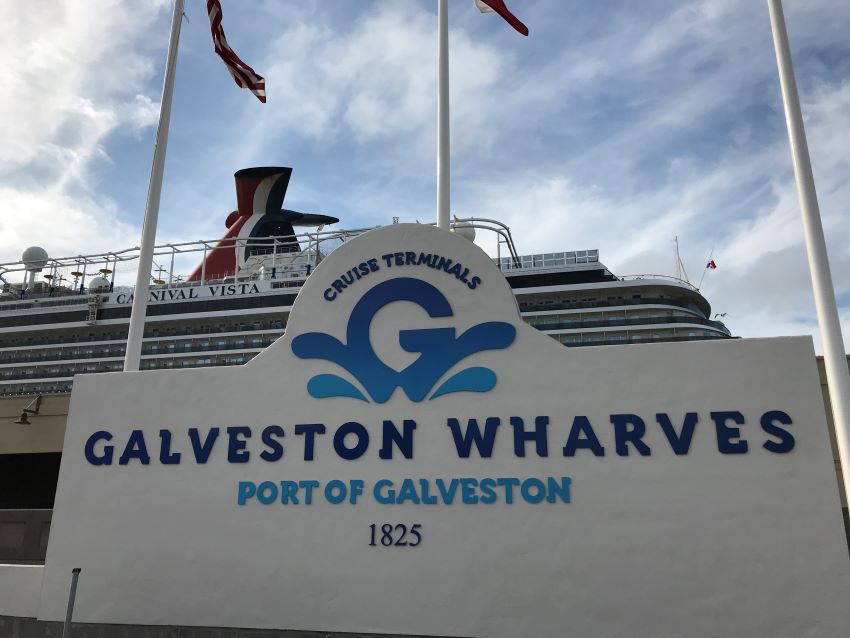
<point>680,267</point>
<point>676,257</point>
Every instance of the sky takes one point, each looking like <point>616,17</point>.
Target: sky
<point>616,125</point>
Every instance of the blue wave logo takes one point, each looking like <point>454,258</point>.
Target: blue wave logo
<point>440,349</point>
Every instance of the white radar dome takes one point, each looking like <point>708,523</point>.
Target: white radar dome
<point>465,230</point>
<point>98,284</point>
<point>34,258</point>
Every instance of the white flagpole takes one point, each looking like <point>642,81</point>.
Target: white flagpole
<point>140,294</point>
<point>443,167</point>
<point>837,376</point>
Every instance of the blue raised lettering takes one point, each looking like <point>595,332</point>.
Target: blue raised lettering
<point>309,431</point>
<point>407,492</point>
<point>289,492</point>
<point>202,450</point>
<point>403,441</point>
<point>355,490</point>
<point>425,489</point>
<point>447,493</point>
<point>236,452</point>
<point>535,495</point>
<point>509,484</point>
<point>275,451</point>
<point>680,443</point>
<point>362,435</point>
<point>106,457</point>
<point>786,439</point>
<point>166,456</point>
<point>539,435</point>
<point>308,486</point>
<point>135,449</point>
<point>267,492</point>
<point>468,492</point>
<point>246,490</point>
<point>629,428</point>
<point>387,498</point>
<point>582,436</point>
<point>335,492</point>
<point>483,443</point>
<point>728,438</point>
<point>558,489</point>
<point>488,494</point>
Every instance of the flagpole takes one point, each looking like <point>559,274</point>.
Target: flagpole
<point>443,155</point>
<point>140,294</point>
<point>837,376</point>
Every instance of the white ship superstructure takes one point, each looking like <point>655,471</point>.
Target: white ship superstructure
<point>48,333</point>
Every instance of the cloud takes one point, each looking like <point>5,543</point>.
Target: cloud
<point>142,112</point>
<point>73,73</point>
<point>680,153</point>
<point>373,81</point>
<point>71,224</point>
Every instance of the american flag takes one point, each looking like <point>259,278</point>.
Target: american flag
<point>498,6</point>
<point>243,74</point>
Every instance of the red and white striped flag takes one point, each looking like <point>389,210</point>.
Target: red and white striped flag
<point>243,74</point>
<point>498,6</point>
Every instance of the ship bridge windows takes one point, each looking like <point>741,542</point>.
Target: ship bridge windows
<point>272,225</point>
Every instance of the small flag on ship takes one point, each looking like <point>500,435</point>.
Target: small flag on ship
<point>498,6</point>
<point>711,264</point>
<point>243,74</point>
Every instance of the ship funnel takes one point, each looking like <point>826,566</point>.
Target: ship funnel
<point>261,190</point>
<point>259,214</point>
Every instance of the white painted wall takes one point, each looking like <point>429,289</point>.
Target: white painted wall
<point>701,545</point>
<point>20,588</point>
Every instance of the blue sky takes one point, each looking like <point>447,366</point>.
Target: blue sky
<point>616,125</point>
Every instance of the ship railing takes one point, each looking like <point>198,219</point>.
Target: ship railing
<point>681,282</point>
<point>160,348</point>
<point>500,229</point>
<point>556,323</point>
<point>602,304</point>
<point>598,339</point>
<point>541,261</point>
<point>42,300</point>
<point>292,257</point>
<point>80,268</point>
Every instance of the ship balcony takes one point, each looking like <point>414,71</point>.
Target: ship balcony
<point>46,370</point>
<point>156,332</point>
<point>526,306</point>
<point>166,345</point>
<point>605,339</point>
<point>566,322</point>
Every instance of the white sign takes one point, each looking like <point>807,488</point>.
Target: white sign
<point>410,457</point>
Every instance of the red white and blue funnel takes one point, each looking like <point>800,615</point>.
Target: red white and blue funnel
<point>259,196</point>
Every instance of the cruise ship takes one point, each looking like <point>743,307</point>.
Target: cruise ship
<point>63,316</point>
